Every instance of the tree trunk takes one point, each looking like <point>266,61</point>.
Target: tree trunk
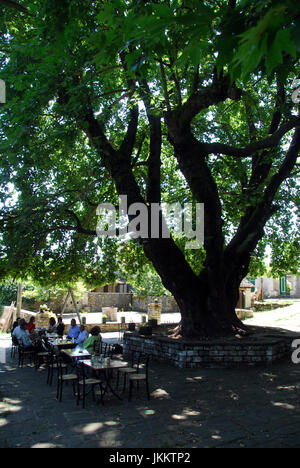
<point>19,300</point>
<point>201,318</point>
<point>207,302</point>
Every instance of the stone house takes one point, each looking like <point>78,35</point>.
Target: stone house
<point>286,286</point>
<point>246,292</point>
<point>118,287</point>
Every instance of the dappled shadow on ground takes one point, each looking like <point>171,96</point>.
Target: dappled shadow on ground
<point>242,407</point>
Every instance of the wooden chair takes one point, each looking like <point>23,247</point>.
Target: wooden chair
<point>63,378</point>
<point>142,375</point>
<point>83,382</point>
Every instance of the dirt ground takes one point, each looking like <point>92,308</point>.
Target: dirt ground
<point>189,408</point>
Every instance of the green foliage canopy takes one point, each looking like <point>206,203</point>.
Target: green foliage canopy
<point>69,60</point>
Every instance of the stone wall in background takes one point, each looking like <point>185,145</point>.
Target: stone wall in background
<point>140,303</point>
<point>94,301</point>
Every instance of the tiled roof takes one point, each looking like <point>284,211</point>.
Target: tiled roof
<point>246,284</point>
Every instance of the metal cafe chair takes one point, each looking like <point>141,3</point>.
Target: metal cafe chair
<point>132,369</point>
<point>84,382</point>
<point>64,378</point>
<point>14,346</point>
<point>142,375</point>
<point>23,353</point>
<point>53,366</point>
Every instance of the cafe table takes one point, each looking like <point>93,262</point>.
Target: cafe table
<point>106,369</point>
<point>76,353</point>
<point>62,343</point>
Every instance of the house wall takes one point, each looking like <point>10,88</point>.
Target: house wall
<point>271,286</point>
<point>295,285</point>
<point>95,301</point>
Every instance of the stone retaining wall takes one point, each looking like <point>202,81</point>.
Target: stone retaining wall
<point>216,353</point>
<point>266,306</point>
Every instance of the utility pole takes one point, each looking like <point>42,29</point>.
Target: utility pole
<point>19,299</point>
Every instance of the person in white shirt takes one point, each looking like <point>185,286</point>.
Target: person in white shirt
<point>23,336</point>
<point>18,332</point>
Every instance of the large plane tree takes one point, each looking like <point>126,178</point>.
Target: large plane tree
<point>170,101</point>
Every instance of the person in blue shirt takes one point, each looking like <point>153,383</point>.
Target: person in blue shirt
<point>83,335</point>
<point>74,330</point>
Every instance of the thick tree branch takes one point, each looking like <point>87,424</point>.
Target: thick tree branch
<point>286,167</point>
<point>79,228</point>
<point>164,84</point>
<point>203,186</point>
<point>251,228</point>
<point>269,142</point>
<point>15,6</point>
<point>220,90</point>
<point>280,98</point>
<point>154,159</point>
<point>128,142</point>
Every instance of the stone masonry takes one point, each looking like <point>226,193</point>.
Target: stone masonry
<point>215,353</point>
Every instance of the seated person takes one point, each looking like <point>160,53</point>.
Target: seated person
<point>23,336</point>
<point>92,343</point>
<point>15,324</point>
<point>31,325</point>
<point>83,335</point>
<point>17,330</point>
<point>74,330</point>
<point>60,327</point>
<point>52,325</point>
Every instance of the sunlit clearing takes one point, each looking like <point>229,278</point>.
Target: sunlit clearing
<point>40,445</point>
<point>10,405</point>
<point>194,379</point>
<point>216,437</point>
<point>147,412</point>
<point>189,412</point>
<point>283,405</point>
<point>92,427</point>
<point>111,423</point>
<point>111,438</point>
<point>160,393</point>
<point>179,416</point>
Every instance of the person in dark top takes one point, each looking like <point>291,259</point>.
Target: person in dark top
<point>60,327</point>
<point>15,324</point>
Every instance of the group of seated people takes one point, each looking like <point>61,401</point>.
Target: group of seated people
<point>28,338</point>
